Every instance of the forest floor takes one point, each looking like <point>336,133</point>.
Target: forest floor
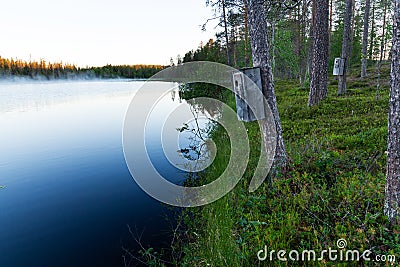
<point>333,187</point>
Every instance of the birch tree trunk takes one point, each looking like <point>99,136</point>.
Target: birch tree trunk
<point>342,88</point>
<point>319,74</point>
<point>261,58</point>
<point>392,200</point>
<point>365,39</point>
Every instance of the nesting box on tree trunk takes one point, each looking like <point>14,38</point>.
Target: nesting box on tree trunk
<point>250,103</point>
<point>338,68</point>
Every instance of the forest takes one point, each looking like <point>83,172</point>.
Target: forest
<point>290,33</point>
<point>11,68</point>
<point>337,166</point>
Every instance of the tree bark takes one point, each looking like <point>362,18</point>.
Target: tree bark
<point>261,58</point>
<point>364,61</point>
<point>273,27</point>
<point>392,200</point>
<point>319,74</point>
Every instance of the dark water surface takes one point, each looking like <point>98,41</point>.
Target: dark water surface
<point>68,195</point>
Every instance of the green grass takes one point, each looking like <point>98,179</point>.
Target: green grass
<point>332,188</point>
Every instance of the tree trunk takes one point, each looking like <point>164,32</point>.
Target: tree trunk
<point>352,32</point>
<point>228,54</point>
<point>302,54</point>
<point>234,46</point>
<point>372,39</point>
<point>364,61</point>
<point>392,200</point>
<point>342,88</point>
<point>319,75</point>
<point>330,18</point>
<point>382,50</point>
<point>261,58</point>
<point>311,44</point>
<point>246,35</point>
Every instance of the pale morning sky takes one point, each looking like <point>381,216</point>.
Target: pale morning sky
<point>97,32</point>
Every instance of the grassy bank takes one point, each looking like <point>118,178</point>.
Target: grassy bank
<point>332,188</point>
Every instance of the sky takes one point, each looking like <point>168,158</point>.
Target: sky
<point>100,32</point>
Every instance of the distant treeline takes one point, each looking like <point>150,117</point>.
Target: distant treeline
<point>44,70</point>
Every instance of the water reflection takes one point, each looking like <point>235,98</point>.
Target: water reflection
<point>69,194</point>
<point>193,120</point>
<point>198,145</point>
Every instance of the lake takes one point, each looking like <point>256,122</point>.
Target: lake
<point>68,195</point>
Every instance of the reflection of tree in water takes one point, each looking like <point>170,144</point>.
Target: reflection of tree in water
<point>199,150</point>
<point>207,106</point>
<point>175,95</point>
<point>192,90</point>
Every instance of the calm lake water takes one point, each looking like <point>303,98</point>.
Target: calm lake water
<point>68,195</point>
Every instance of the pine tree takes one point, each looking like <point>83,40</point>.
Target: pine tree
<point>261,58</point>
